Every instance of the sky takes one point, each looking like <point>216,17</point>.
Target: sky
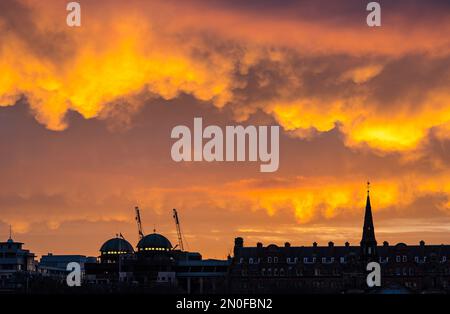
<point>86,115</point>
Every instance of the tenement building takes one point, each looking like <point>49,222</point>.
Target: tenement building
<point>340,269</point>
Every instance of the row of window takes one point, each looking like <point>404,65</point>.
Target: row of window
<point>153,249</point>
<point>342,260</point>
<point>281,272</point>
<point>114,252</point>
<point>317,272</point>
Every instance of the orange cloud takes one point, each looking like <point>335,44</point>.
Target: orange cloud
<point>112,58</point>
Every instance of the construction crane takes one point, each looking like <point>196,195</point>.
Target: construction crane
<point>177,224</point>
<point>139,224</point>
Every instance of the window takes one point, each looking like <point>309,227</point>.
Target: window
<point>369,250</point>
<point>416,259</point>
<point>324,260</point>
<point>241,260</point>
<point>275,259</point>
<point>397,258</point>
<point>342,259</point>
<point>250,260</point>
<point>332,260</point>
<point>405,258</point>
<point>288,260</point>
<point>305,260</point>
<point>269,260</point>
<point>296,260</point>
<point>444,259</point>
<point>263,271</point>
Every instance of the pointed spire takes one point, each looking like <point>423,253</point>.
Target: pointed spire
<point>368,241</point>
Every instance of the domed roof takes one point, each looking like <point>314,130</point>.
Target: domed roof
<point>154,240</point>
<point>116,245</point>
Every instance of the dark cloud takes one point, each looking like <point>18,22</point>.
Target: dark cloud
<point>22,21</point>
<point>408,81</point>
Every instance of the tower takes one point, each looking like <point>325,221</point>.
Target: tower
<point>368,241</point>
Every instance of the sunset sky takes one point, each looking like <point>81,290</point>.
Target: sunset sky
<point>86,115</point>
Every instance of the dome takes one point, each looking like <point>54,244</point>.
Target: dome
<point>154,241</point>
<point>116,245</point>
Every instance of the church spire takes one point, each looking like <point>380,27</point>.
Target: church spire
<point>368,241</point>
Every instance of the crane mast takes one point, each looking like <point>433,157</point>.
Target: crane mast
<point>139,224</point>
<point>177,224</point>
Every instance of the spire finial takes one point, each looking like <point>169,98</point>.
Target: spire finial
<point>10,232</point>
<point>368,188</point>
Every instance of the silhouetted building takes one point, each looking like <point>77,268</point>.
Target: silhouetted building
<point>154,267</point>
<point>55,266</point>
<point>158,267</point>
<point>16,265</point>
<point>340,269</point>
